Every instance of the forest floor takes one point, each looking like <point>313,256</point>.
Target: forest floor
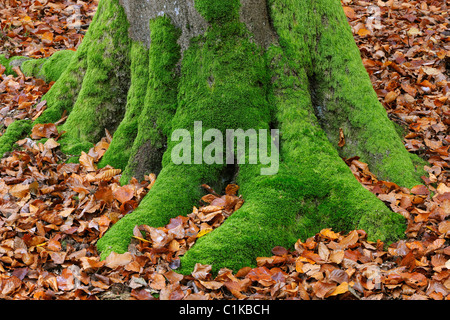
<point>52,213</point>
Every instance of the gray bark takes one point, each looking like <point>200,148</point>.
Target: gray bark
<point>184,16</point>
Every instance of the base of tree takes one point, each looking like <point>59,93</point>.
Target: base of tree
<point>309,83</point>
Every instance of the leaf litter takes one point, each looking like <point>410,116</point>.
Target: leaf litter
<point>52,213</point>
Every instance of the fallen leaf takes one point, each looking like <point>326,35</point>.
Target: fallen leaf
<point>115,260</point>
<point>340,289</point>
<point>124,194</point>
<point>46,130</point>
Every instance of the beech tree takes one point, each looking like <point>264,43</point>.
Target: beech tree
<point>146,69</point>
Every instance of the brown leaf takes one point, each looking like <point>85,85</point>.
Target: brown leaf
<point>19,190</point>
<point>259,274</point>
<point>65,280</point>
<point>391,96</point>
<point>54,245</point>
<point>279,251</point>
<point>107,174</point>
<point>46,130</point>
<point>235,288</point>
<point>231,189</point>
<point>125,193</point>
<point>420,190</point>
<point>211,285</point>
<point>337,256</point>
<point>349,240</point>
<point>159,237</point>
<point>201,271</point>
<point>157,281</point>
<point>142,294</point>
<point>115,260</point>
<point>322,289</point>
<point>349,12</point>
<point>324,253</point>
<point>87,162</point>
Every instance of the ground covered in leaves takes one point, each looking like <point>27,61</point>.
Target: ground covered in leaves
<point>52,213</point>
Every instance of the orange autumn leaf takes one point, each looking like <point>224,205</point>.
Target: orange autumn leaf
<point>231,189</point>
<point>123,194</point>
<point>340,289</point>
<point>44,130</point>
<point>363,32</point>
<point>349,240</point>
<point>328,233</point>
<point>47,38</point>
<point>349,12</point>
<point>87,162</point>
<point>420,190</point>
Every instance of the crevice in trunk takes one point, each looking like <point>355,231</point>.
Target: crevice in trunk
<point>227,176</point>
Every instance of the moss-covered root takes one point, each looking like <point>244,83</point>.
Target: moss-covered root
<point>176,190</point>
<point>314,189</point>
<point>338,199</point>
<point>282,208</point>
<point>223,77</point>
<point>345,99</point>
<point>160,102</point>
<point>15,131</point>
<point>119,150</point>
<point>49,69</point>
<point>93,90</point>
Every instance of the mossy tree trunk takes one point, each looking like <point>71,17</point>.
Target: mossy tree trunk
<point>147,68</point>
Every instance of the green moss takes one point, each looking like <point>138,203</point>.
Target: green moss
<point>224,77</point>
<point>15,131</point>
<point>218,10</point>
<point>342,93</point>
<point>9,64</point>
<point>118,152</point>
<point>219,72</point>
<point>48,69</point>
<point>73,160</point>
<point>3,60</point>
<point>32,67</point>
<point>101,99</point>
<point>62,95</point>
<point>314,189</point>
<point>160,101</point>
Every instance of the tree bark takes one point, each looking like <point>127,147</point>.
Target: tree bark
<point>147,68</point>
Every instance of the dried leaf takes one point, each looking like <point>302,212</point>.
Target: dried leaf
<point>115,260</point>
<point>87,162</point>
<point>124,194</point>
<point>46,130</point>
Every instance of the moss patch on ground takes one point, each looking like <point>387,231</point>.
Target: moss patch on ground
<point>15,131</point>
<point>102,99</point>
<point>10,63</point>
<point>49,69</point>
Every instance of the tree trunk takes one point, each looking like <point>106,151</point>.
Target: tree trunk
<point>148,68</point>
